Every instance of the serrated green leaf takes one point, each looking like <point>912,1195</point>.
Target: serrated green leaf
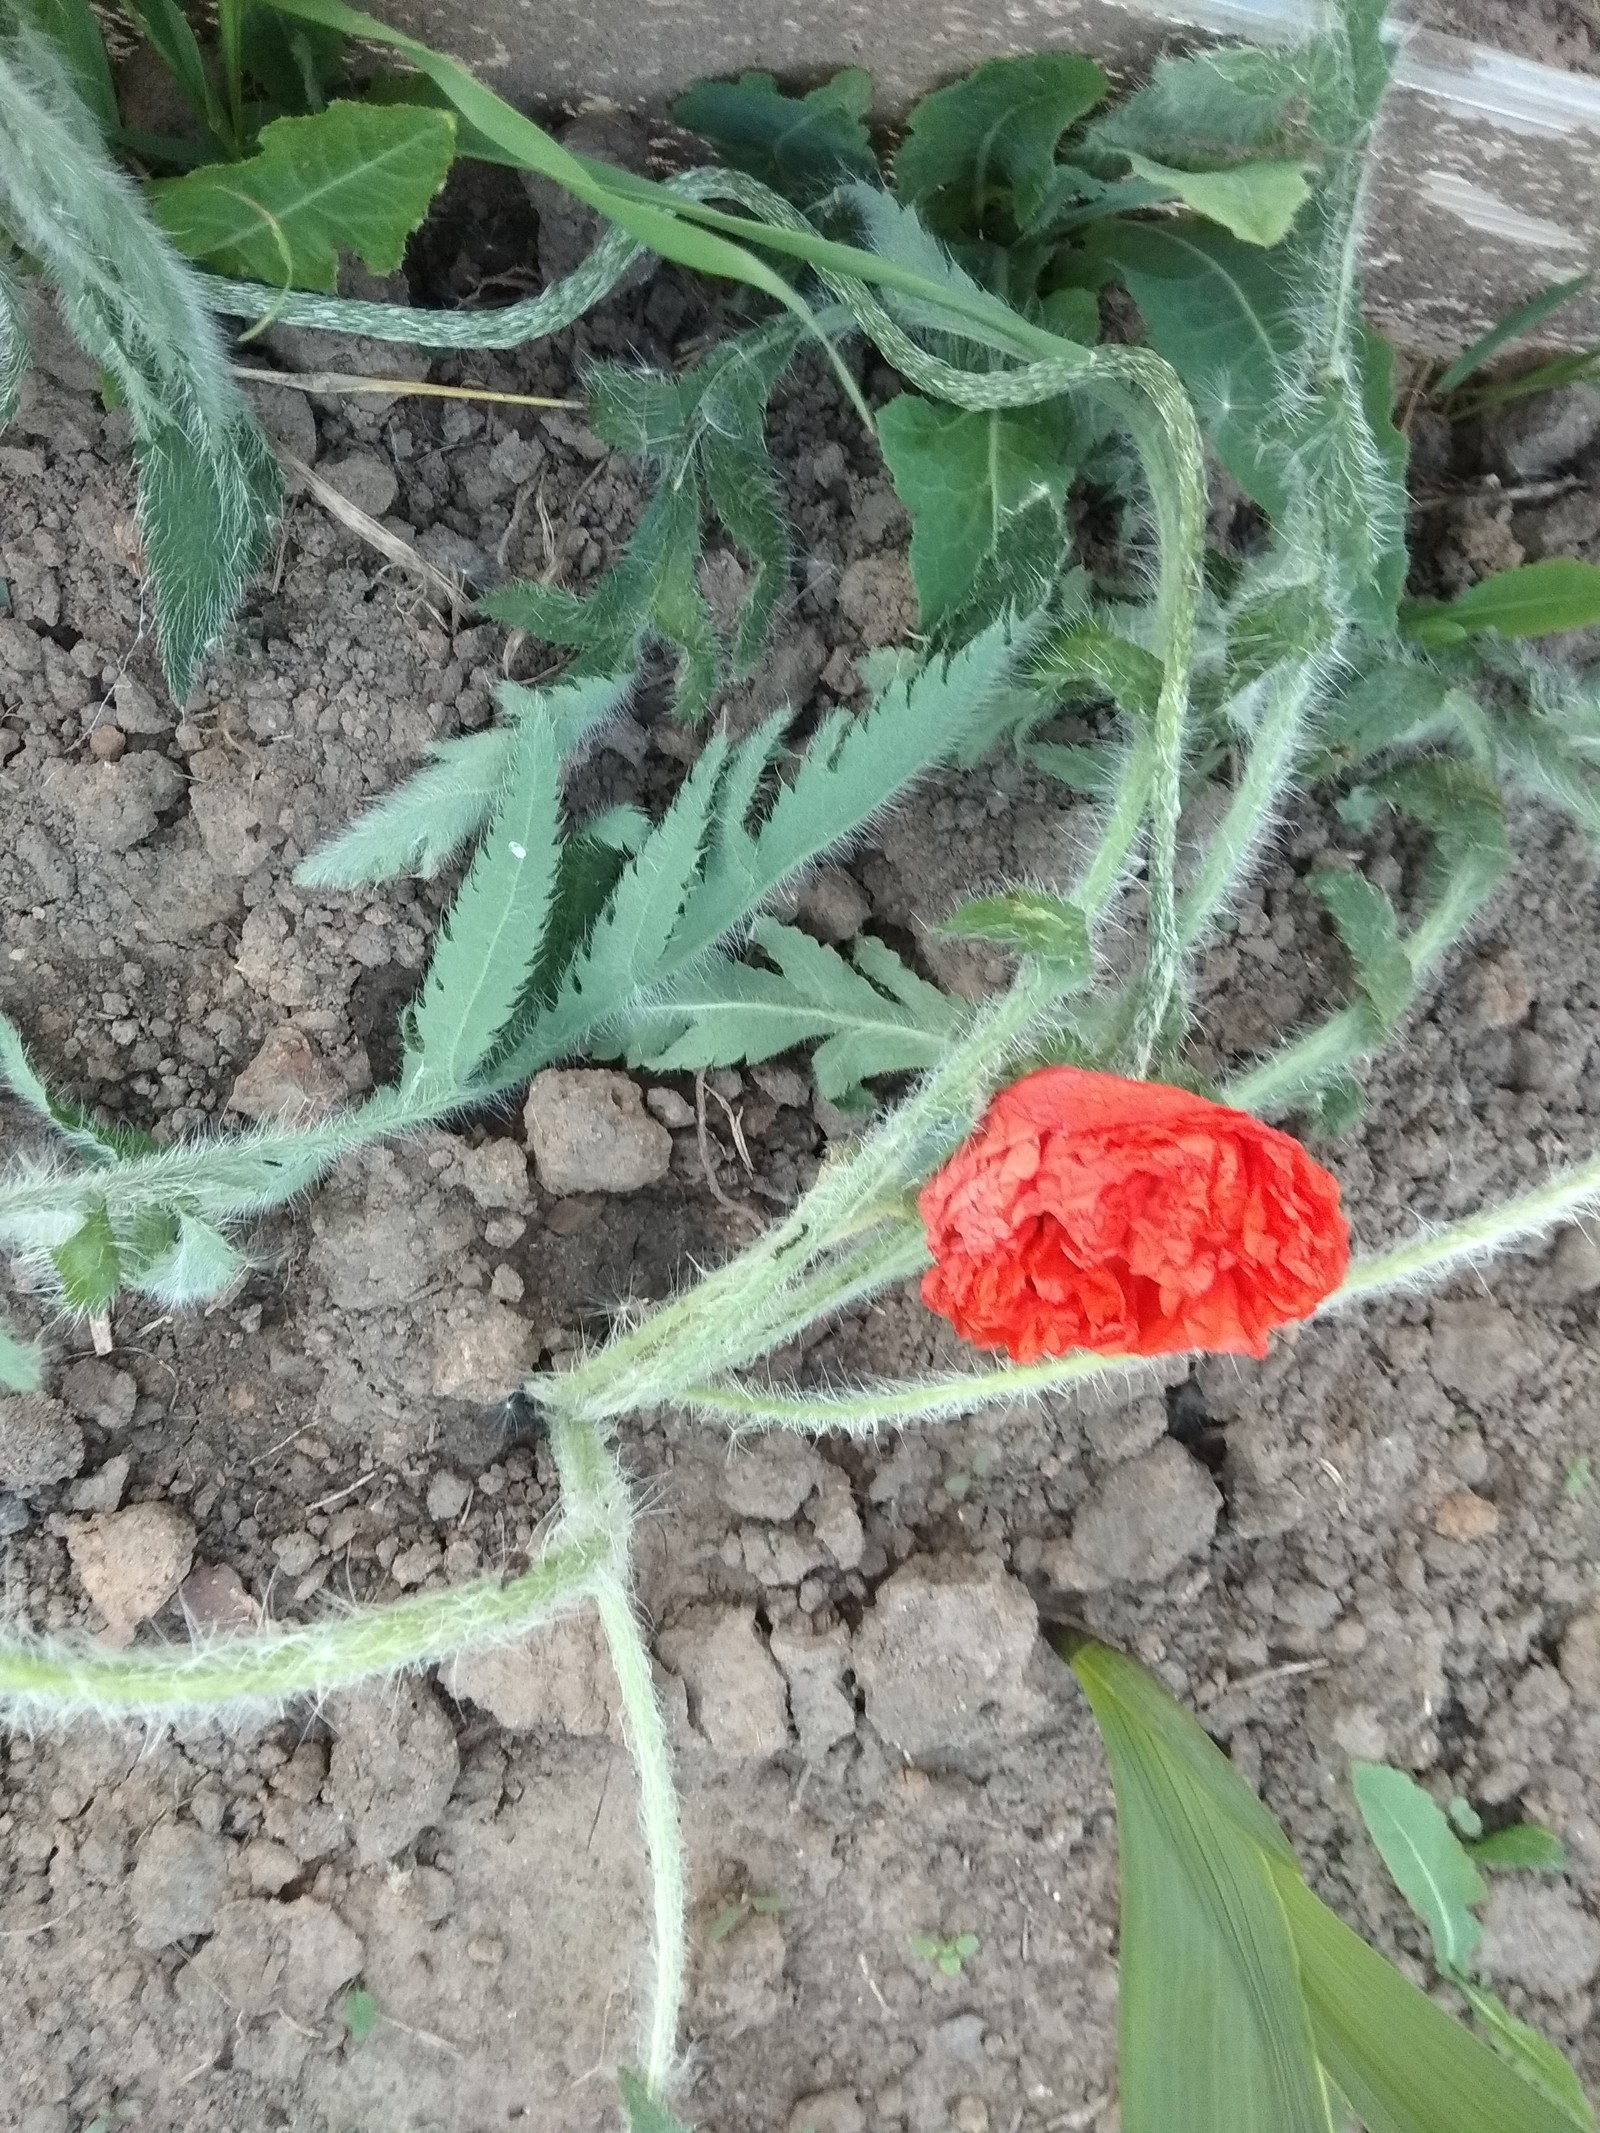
<point>877,1017</point>
<point>1089,655</point>
<point>71,24</point>
<point>1534,2057</point>
<point>1528,1846</point>
<point>87,1264</point>
<point>802,146</point>
<point>992,138</point>
<point>195,1262</point>
<point>1511,328</point>
<point>489,945</point>
<point>423,823</point>
<point>1534,600</point>
<point>645,2113</point>
<point>1426,1859</point>
<point>1256,201</point>
<point>97,1142</point>
<point>1463,808</point>
<point>21,1365</point>
<point>353,177</point>
<point>1368,927</point>
<point>1030,922</point>
<point>985,491</point>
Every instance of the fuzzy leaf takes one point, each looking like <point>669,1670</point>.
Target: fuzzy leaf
<point>1029,922</point>
<point>1535,600</point>
<point>96,1142</point>
<point>71,24</point>
<point>1463,808</point>
<point>1427,1860</point>
<point>876,1017</point>
<point>644,2112</point>
<point>352,177</point>
<point>985,491</point>
<point>21,1365</point>
<point>1088,656</point>
<point>418,827</point>
<point>1367,926</point>
<point>1511,328</point>
<point>802,146</point>
<point>994,133</point>
<point>1534,2057</point>
<point>198,1263</point>
<point>15,353</point>
<point>488,946</point>
<point>1257,201</point>
<point>1528,1846</point>
<point>209,485</point>
<point>88,1265</point>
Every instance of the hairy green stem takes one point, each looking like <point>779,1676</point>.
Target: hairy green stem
<point>57,1679</point>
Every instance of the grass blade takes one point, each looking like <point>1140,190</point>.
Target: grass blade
<point>1511,328</point>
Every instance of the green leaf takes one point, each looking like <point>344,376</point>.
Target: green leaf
<point>96,1142</point>
<point>194,1262</point>
<point>1368,927</point>
<point>802,146</point>
<point>1511,328</point>
<point>360,2011</point>
<point>489,945</point>
<point>1426,1859</point>
<point>88,1265</point>
<point>1091,657</point>
<point>1462,806</point>
<point>167,28</point>
<point>985,492</point>
<point>1526,1845</point>
<point>1535,600</point>
<point>1031,922</point>
<point>645,2114</point>
<point>1256,201</point>
<point>1208,108</point>
<point>994,133</point>
<point>1577,367</point>
<point>877,1017</point>
<point>294,63</point>
<point>1534,2057</point>
<point>420,826</point>
<point>354,177</point>
<point>73,27</point>
<point>21,1365</point>
<point>1245,2002</point>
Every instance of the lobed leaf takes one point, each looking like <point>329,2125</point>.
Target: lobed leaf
<point>1029,922</point>
<point>423,823</point>
<point>1369,930</point>
<point>15,352</point>
<point>355,177</point>
<point>991,135</point>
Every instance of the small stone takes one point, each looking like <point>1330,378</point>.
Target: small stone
<point>673,1110</point>
<point>486,1948</point>
<point>176,1884</point>
<point>138,711</point>
<point>1539,1935</point>
<point>502,1231</point>
<point>814,1666</point>
<point>270,1866</point>
<point>39,1442</point>
<point>393,1767</point>
<point>1499,993</point>
<point>1118,1433</point>
<point>833,905</point>
<point>101,1393</point>
<point>736,1698</point>
<point>1263,1500</point>
<point>107,744</point>
<point>286,1081</point>
<point>1573,1268</point>
<point>836,1521</point>
<point>290,1955</point>
<point>1579,1657</point>
<point>1140,1522</point>
<point>365,480</point>
<point>116,806</point>
<point>286,417</point>
<point>829,2111</point>
<point>770,1477</point>
<point>942,1656</point>
<point>971,2114</point>
<point>482,1352</point>
<point>589,1132</point>
<point>1535,437</point>
<point>103,1490</point>
<point>877,596</point>
<point>558,1677</point>
<point>296,1552</point>
<point>496,1174</point>
<point>428,1894</point>
<point>215,1601</point>
<point>1463,1516</point>
<point>507,1285</point>
<point>447,1496</point>
<point>131,1562</point>
<point>783,1085</point>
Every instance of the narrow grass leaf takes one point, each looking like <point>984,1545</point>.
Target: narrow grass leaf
<point>74,28</point>
<point>645,2113</point>
<point>167,28</point>
<point>1535,600</point>
<point>1534,2057</point>
<point>1511,328</point>
<point>352,177</point>
<point>489,944</point>
<point>21,1365</point>
<point>1427,1860</point>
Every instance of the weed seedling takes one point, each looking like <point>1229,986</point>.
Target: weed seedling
<point>947,1956</point>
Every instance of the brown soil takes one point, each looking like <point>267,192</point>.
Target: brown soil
<point>1561,33</point>
<point>1407,1529</point>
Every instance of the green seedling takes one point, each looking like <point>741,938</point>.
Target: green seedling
<point>1227,198</point>
<point>1577,1479</point>
<point>360,2011</point>
<point>949,1957</point>
<point>743,1908</point>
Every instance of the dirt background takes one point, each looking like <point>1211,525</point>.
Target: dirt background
<point>1382,1542</point>
<point>1561,33</point>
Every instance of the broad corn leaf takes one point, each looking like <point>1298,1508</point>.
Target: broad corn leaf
<point>355,177</point>
<point>1534,2057</point>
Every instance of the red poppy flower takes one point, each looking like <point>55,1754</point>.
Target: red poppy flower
<point>1129,1218</point>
